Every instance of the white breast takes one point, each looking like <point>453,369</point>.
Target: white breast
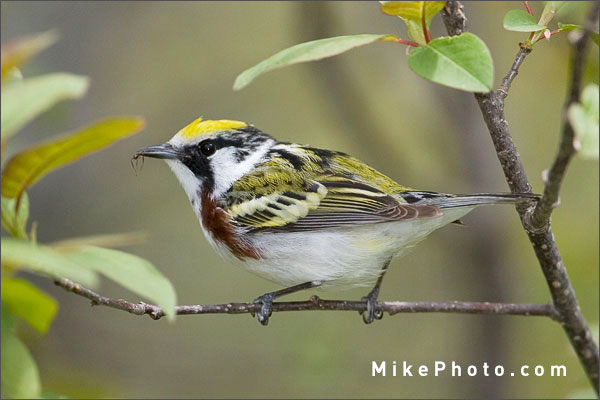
<point>340,258</point>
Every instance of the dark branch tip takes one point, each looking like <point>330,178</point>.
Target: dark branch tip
<point>155,315</point>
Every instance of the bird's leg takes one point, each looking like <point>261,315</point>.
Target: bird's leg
<point>371,299</point>
<point>267,299</point>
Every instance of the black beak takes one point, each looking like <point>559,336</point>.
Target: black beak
<point>164,151</point>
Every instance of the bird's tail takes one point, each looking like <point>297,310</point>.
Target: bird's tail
<point>469,200</point>
<point>466,200</point>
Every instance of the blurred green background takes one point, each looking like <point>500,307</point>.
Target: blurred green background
<point>172,62</point>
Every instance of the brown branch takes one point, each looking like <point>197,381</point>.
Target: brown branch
<point>566,149</point>
<point>315,303</point>
<point>540,234</point>
<point>514,70</point>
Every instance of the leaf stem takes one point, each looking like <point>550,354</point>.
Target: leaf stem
<point>407,42</point>
<point>554,32</point>
<point>528,8</point>
<point>426,32</point>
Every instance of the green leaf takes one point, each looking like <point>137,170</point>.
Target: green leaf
<point>415,32</point>
<point>13,76</point>
<point>521,21</point>
<point>114,240</point>
<point>16,52</point>
<point>549,10</point>
<point>23,101</point>
<point>303,52</point>
<point>411,12</point>
<point>462,62</point>
<point>20,377</point>
<point>27,167</point>
<point>8,321</point>
<point>15,220</point>
<point>46,261</point>
<point>589,99</point>
<point>584,118</point>
<point>569,27</point>
<point>28,302</point>
<point>132,272</point>
<point>547,15</point>
<point>572,27</point>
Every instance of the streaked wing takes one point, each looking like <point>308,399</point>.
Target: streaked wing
<point>327,201</point>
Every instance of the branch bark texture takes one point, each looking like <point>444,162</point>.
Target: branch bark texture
<point>537,222</point>
<point>315,303</point>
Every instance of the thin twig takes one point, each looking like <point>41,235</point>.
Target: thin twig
<point>554,32</point>
<point>514,70</point>
<point>542,239</point>
<point>566,149</point>
<point>315,303</point>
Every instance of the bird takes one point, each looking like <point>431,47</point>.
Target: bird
<point>301,216</point>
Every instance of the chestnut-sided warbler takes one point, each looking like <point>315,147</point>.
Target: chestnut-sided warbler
<point>301,216</point>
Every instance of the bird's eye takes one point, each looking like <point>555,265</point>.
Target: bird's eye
<point>207,148</point>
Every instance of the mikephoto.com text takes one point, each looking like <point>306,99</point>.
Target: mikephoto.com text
<point>443,368</point>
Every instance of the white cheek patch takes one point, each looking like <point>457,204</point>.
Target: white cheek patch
<point>226,169</point>
<point>190,182</point>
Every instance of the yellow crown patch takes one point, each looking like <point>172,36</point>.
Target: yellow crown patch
<point>200,127</point>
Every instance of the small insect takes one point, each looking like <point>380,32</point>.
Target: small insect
<point>136,164</point>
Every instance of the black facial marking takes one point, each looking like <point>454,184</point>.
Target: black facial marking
<point>199,165</point>
<point>240,155</point>
<point>197,157</point>
<point>248,138</point>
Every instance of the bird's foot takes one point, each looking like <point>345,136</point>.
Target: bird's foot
<point>266,300</point>
<point>372,313</point>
